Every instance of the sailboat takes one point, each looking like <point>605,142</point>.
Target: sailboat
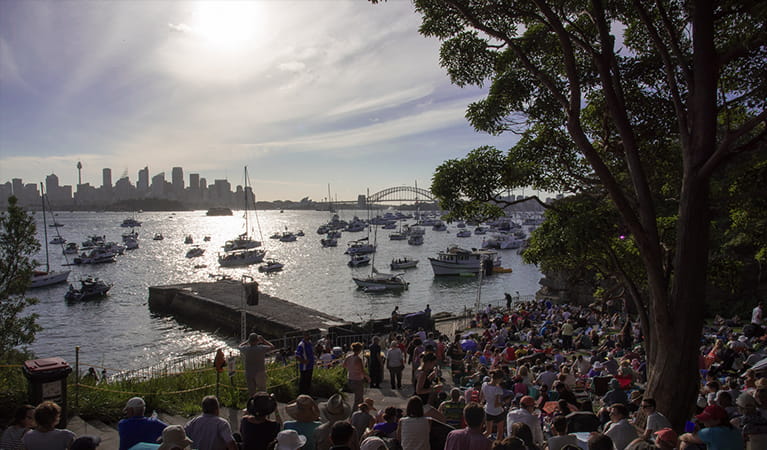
<point>242,251</point>
<point>244,241</point>
<point>379,281</point>
<point>48,277</point>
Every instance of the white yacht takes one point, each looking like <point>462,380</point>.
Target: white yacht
<point>457,261</point>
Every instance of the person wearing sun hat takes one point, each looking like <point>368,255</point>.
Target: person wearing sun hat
<point>174,438</point>
<point>256,429</point>
<point>718,433</point>
<point>306,414</point>
<point>291,440</point>
<point>334,410</point>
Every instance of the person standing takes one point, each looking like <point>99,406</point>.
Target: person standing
<point>254,352</point>
<point>375,364</point>
<point>507,296</point>
<point>356,373</point>
<point>209,431</point>
<point>305,356</point>
<point>756,314</point>
<point>395,362</point>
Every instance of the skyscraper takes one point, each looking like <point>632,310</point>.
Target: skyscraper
<point>177,179</point>
<point>143,180</point>
<point>106,178</point>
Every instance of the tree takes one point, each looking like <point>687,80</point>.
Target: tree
<point>17,243</point>
<point>641,101</point>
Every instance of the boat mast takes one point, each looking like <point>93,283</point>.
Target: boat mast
<point>45,229</point>
<point>247,230</point>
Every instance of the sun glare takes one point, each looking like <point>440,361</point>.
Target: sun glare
<point>227,25</point>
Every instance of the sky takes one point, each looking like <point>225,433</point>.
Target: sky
<point>305,93</point>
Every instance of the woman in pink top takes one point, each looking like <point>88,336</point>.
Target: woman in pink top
<point>356,373</point>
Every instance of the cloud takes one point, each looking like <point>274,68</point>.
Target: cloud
<point>180,28</point>
<point>292,66</point>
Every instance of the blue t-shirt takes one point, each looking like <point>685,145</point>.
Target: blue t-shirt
<point>721,438</point>
<point>139,429</point>
<point>306,351</point>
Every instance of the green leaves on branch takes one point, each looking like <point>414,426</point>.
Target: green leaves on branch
<point>17,244</point>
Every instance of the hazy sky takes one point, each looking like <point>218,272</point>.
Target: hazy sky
<point>305,93</point>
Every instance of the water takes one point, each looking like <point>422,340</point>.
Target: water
<point>119,331</point>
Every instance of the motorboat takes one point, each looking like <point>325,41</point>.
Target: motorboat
<point>71,249</point>
<point>461,224</point>
<point>271,265</point>
<point>58,240</point>
<point>405,262</point>
<point>463,233</point>
<point>158,237</point>
<point>457,261</point>
<point>439,226</point>
<point>415,230</point>
<point>241,242</point>
<point>333,234</point>
<point>300,233</point>
<point>195,252</point>
<point>219,211</point>
<point>114,247</point>
<point>130,243</point>
<point>130,223</point>
<point>188,239</point>
<point>276,235</point>
<point>360,247</point>
<point>206,239</point>
<point>329,242</point>
<point>358,260</point>
<point>93,241</point>
<point>288,236</point>
<point>379,281</point>
<point>356,225</point>
<point>47,277</point>
<point>238,258</point>
<point>503,241</point>
<point>480,230</point>
<point>397,236</point>
<point>130,235</point>
<point>56,225</point>
<point>89,288</point>
<point>415,239</point>
<point>98,255</point>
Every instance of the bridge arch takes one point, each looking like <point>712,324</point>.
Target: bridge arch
<point>401,194</point>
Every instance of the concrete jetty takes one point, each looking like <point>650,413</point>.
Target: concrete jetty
<point>218,305</point>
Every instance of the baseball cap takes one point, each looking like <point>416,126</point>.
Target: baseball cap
<point>666,435</point>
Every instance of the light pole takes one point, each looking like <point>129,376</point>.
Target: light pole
<point>243,312</point>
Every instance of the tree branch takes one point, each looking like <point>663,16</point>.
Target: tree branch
<point>724,148</point>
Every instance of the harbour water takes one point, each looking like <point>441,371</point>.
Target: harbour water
<point>120,332</point>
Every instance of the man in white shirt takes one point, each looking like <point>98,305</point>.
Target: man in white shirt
<point>619,429</point>
<point>655,420</point>
<point>756,315</point>
<point>525,415</point>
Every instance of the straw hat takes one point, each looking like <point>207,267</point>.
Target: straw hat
<point>335,408</point>
<point>304,409</point>
<point>174,436</point>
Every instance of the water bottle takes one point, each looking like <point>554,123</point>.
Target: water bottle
<point>154,414</point>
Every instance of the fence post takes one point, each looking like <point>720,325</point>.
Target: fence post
<point>77,377</point>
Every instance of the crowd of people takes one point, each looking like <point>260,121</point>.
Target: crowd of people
<point>530,376</point>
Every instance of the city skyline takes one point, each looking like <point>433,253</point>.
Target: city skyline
<point>305,94</point>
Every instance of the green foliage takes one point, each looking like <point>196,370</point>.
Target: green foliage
<point>178,393</point>
<point>17,243</point>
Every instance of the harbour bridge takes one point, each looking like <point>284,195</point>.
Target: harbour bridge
<point>399,194</point>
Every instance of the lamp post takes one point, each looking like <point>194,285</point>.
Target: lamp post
<point>243,312</point>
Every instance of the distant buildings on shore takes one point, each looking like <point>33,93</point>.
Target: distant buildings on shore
<point>197,194</point>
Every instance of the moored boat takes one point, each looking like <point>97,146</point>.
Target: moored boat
<point>58,240</point>
<point>89,288</point>
<point>195,252</point>
<point>457,261</point>
<point>360,247</point>
<point>219,211</point>
<point>404,262</point>
<point>158,237</point>
<point>241,257</point>
<point>71,249</point>
<point>378,281</point>
<point>271,265</point>
<point>358,260</point>
<point>130,223</point>
<point>415,239</point>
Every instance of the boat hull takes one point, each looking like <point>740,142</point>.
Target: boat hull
<point>42,279</point>
<point>244,258</point>
<point>449,268</point>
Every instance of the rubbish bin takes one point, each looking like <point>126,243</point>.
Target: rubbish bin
<point>47,379</point>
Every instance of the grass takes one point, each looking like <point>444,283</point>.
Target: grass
<point>172,393</point>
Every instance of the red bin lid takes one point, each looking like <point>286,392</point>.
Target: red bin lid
<point>44,364</point>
